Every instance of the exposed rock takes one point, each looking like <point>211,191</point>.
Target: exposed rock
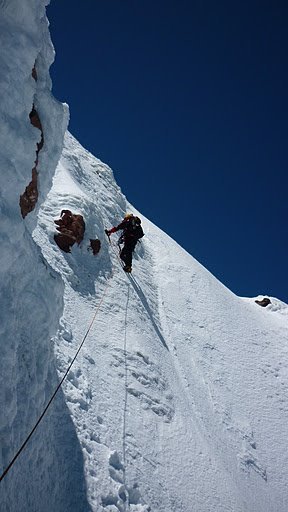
<point>71,227</point>
<point>34,73</point>
<point>29,198</point>
<point>95,245</point>
<point>264,302</point>
<point>35,121</point>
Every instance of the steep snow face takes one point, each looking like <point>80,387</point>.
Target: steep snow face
<point>31,298</point>
<point>179,394</point>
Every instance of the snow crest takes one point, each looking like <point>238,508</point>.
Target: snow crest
<point>180,384</point>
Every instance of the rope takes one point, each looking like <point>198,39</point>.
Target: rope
<point>117,252</point>
<point>125,404</point>
<point>142,298</point>
<point>126,502</point>
<point>58,387</point>
<point>114,248</point>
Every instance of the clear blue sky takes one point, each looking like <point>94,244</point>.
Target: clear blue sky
<point>187,102</point>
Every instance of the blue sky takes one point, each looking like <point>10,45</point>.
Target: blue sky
<point>187,102</point>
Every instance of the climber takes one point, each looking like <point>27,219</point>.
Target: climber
<point>132,232</point>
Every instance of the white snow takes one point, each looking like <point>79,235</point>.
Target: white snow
<point>178,398</point>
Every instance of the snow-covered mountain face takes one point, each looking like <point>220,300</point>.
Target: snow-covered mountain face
<point>177,400</point>
<point>31,294</point>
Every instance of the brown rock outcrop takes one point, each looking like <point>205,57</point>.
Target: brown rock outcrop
<point>29,198</point>
<point>264,302</point>
<point>71,227</point>
<point>95,245</point>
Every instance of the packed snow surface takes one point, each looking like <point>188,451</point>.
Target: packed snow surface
<point>178,399</point>
<point>179,395</point>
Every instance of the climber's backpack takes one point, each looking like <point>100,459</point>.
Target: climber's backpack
<point>134,228</point>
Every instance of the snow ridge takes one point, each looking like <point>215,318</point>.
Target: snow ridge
<point>157,395</point>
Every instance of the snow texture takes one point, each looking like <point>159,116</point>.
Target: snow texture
<point>178,398</point>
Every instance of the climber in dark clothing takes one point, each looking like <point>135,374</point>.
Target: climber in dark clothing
<point>132,232</point>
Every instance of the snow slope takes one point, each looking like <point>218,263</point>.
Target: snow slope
<point>178,399</point>
<point>179,395</point>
